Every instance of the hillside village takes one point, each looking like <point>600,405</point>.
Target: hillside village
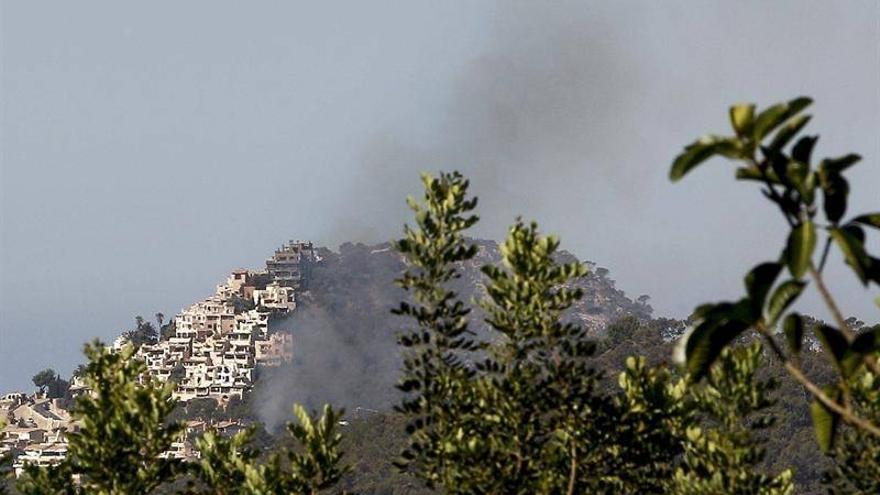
<point>212,351</point>
<point>214,348</point>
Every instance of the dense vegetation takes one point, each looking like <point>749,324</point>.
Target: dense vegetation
<point>522,412</point>
<point>372,442</point>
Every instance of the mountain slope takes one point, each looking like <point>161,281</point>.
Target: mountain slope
<point>345,349</point>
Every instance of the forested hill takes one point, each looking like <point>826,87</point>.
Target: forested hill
<point>359,277</point>
<point>345,349</point>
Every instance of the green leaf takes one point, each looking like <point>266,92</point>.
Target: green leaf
<point>741,118</point>
<point>700,151</point>
<point>793,326</point>
<point>701,311</point>
<point>856,231</point>
<point>839,164</point>
<point>758,283</point>
<point>778,163</point>
<point>825,422</point>
<point>753,173</point>
<point>801,244</point>
<point>869,219</point>
<point>778,114</point>
<point>835,190</point>
<point>874,270</point>
<point>853,252</point>
<point>808,191</point>
<point>782,297</point>
<point>867,342</point>
<point>796,173</point>
<point>803,149</point>
<point>835,343</point>
<point>788,131</point>
<point>721,324</point>
<point>802,178</point>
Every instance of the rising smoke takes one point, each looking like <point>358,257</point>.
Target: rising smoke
<point>331,365</point>
<point>545,105</point>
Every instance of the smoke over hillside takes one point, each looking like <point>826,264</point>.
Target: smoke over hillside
<point>344,335</point>
<point>333,364</point>
<point>345,350</point>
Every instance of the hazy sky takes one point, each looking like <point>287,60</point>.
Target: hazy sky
<point>147,149</point>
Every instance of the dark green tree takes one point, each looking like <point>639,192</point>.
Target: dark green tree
<point>143,333</point>
<point>79,371</point>
<point>44,378</point>
<point>436,375</point>
<point>58,388</point>
<point>168,330</point>
<point>51,384</point>
<point>178,373</point>
<point>541,380</point>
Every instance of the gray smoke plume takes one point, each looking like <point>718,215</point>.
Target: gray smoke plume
<point>532,109</point>
<point>332,364</point>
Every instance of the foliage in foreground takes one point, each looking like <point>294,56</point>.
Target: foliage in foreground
<point>120,448</point>
<point>522,412</point>
<point>229,467</point>
<point>790,181</point>
<point>122,434</point>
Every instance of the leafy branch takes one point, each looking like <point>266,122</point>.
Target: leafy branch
<point>793,184</point>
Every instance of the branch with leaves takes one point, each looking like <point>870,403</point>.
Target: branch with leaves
<point>791,180</point>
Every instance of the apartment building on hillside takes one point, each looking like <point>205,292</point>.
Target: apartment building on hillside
<point>291,265</point>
